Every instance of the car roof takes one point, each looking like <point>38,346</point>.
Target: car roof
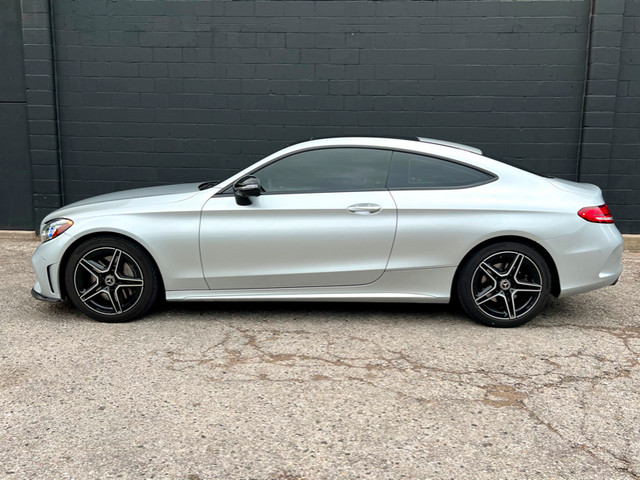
<point>433,141</point>
<point>437,148</point>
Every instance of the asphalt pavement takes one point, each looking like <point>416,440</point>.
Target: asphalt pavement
<point>318,391</point>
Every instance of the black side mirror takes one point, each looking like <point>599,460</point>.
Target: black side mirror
<point>246,187</point>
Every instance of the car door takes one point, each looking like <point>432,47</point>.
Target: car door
<point>324,218</point>
<point>442,209</point>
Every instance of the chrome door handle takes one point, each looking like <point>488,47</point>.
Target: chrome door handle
<point>364,208</point>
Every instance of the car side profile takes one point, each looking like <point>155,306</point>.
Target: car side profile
<point>339,219</point>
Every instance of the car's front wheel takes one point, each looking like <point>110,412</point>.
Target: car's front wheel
<point>111,279</point>
<point>504,285</point>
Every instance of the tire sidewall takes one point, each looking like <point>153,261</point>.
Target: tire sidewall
<point>150,289</point>
<point>465,296</point>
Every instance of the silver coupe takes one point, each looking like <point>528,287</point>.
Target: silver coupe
<point>340,219</point>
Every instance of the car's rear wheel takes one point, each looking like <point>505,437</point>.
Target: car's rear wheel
<point>504,284</point>
<point>111,279</point>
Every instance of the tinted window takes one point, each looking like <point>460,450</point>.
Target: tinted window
<point>410,170</point>
<point>327,170</point>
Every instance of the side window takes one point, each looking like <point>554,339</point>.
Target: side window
<point>327,170</point>
<point>413,171</point>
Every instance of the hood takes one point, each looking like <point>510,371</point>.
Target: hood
<point>585,189</point>
<point>137,198</point>
<point>183,188</point>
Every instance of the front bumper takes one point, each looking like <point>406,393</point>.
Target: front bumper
<point>46,262</point>
<point>38,296</point>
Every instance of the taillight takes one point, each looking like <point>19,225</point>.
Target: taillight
<point>599,214</point>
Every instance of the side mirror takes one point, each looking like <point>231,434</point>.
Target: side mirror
<point>245,188</point>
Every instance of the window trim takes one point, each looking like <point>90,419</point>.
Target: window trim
<point>493,177</point>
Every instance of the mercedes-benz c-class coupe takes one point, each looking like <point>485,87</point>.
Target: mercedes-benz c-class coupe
<point>339,219</point>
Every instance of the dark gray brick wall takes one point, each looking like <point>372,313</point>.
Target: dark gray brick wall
<point>611,144</point>
<point>16,196</point>
<point>623,187</point>
<point>41,112</point>
<point>161,91</point>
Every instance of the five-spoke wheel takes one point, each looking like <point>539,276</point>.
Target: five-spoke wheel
<point>504,284</point>
<point>111,279</point>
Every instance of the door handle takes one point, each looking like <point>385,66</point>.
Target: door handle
<point>364,208</point>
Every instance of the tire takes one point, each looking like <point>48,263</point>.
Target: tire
<point>111,279</point>
<point>504,285</point>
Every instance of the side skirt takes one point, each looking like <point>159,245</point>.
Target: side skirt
<point>403,286</point>
<point>200,296</point>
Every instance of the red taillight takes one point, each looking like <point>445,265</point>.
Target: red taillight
<point>599,214</point>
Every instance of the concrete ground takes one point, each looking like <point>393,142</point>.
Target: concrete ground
<point>315,391</point>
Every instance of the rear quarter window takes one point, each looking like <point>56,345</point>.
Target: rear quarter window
<point>413,171</point>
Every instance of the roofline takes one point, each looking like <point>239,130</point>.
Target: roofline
<point>445,143</point>
<point>434,141</point>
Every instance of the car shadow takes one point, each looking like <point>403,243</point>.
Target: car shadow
<point>557,312</point>
<point>326,311</point>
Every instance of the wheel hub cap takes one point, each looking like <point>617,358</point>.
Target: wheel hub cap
<point>506,285</point>
<point>108,281</point>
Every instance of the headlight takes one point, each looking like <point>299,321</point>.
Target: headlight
<point>54,228</point>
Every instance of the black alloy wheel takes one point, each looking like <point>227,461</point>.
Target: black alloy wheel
<point>504,285</point>
<point>111,279</point>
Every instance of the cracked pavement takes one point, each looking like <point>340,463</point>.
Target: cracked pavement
<point>318,391</point>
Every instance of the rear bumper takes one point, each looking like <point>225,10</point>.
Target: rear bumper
<point>588,260</point>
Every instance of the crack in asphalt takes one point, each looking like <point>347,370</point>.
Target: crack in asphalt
<point>243,347</point>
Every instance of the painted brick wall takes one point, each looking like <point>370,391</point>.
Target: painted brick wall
<point>41,112</point>
<point>159,91</point>
<point>611,143</point>
<point>623,187</point>
<point>16,196</point>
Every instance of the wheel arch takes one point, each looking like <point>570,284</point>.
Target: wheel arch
<point>555,277</point>
<point>90,236</point>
